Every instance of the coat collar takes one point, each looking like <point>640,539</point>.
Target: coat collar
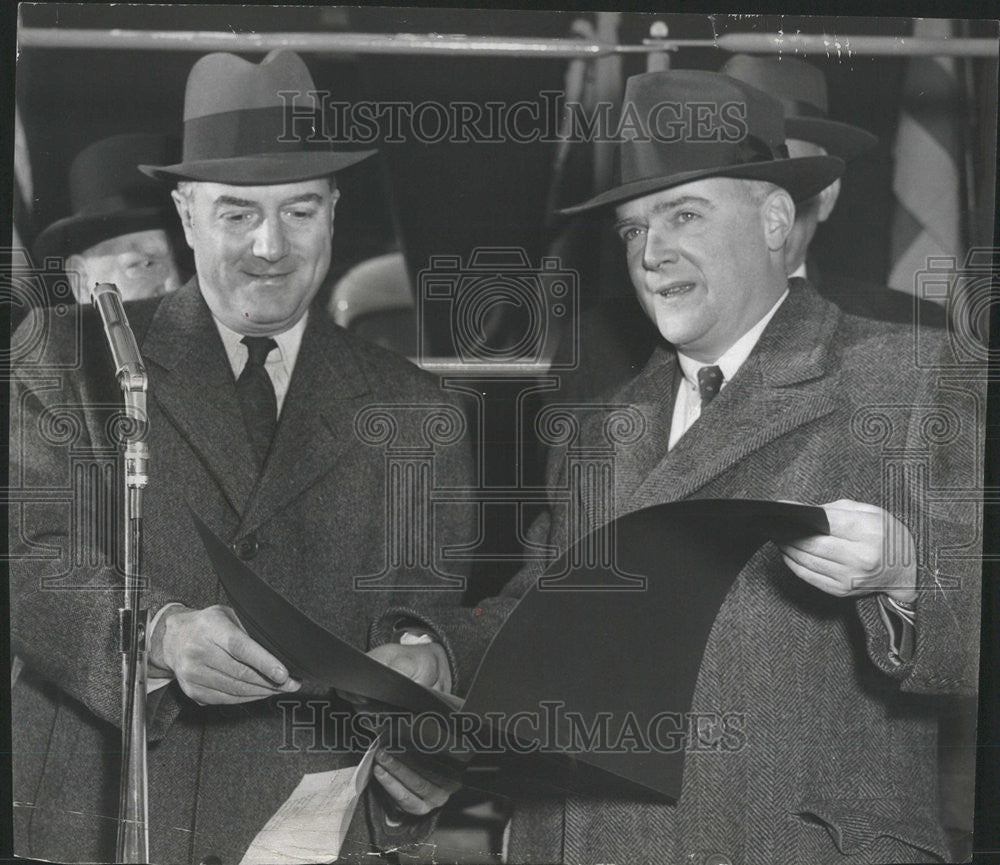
<point>191,380</point>
<point>787,381</point>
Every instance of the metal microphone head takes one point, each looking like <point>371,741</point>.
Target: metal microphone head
<point>124,350</point>
<point>102,288</point>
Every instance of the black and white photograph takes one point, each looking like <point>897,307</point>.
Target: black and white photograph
<point>450,436</point>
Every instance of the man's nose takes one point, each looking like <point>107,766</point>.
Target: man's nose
<point>269,240</point>
<point>660,249</point>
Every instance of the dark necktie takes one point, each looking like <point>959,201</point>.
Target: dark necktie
<point>710,379</point>
<point>256,395</point>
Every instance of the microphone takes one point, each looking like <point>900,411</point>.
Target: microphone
<point>133,809</point>
<point>131,374</point>
<point>124,349</point>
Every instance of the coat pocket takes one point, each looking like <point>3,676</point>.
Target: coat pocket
<point>855,824</point>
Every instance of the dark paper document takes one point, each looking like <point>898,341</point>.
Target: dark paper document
<point>607,644</point>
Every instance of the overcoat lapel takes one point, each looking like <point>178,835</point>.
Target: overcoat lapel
<point>192,381</point>
<point>327,390</point>
<point>783,385</point>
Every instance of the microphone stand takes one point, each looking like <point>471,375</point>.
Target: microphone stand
<point>133,810</point>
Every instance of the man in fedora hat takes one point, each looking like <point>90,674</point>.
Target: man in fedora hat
<point>832,650</point>
<point>252,413</point>
<point>801,89</point>
<point>617,339</point>
<point>122,229</point>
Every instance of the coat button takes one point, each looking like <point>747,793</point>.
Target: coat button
<point>717,859</point>
<point>210,859</point>
<point>246,548</point>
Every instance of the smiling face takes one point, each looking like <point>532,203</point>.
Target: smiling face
<point>707,259</point>
<point>261,252</point>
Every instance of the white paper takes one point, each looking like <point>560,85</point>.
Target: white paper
<point>311,825</point>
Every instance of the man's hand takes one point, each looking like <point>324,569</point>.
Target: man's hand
<point>416,783</point>
<point>425,663</point>
<point>853,559</point>
<point>214,659</point>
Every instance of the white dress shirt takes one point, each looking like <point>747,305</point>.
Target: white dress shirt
<point>687,406</point>
<point>280,362</point>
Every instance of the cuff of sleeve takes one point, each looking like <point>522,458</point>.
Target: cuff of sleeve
<point>900,625</point>
<point>395,830</point>
<point>154,683</point>
<point>393,623</point>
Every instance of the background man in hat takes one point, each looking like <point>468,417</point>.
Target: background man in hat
<point>834,649</point>
<point>251,425</point>
<point>123,227</point>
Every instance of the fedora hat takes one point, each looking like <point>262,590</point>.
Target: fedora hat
<point>801,89</point>
<point>239,130</point>
<point>109,196</point>
<point>688,125</point>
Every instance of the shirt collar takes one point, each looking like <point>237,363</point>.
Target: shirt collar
<point>799,271</point>
<point>289,343</point>
<point>738,352</point>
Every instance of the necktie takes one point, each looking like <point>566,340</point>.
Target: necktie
<point>710,379</point>
<point>256,395</point>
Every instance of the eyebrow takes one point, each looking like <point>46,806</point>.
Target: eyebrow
<point>233,201</point>
<point>669,204</point>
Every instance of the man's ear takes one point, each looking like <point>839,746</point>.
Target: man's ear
<point>76,272</point>
<point>828,200</point>
<point>778,212</point>
<point>334,198</point>
<point>182,202</point>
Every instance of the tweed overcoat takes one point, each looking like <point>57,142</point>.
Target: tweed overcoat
<point>837,761</point>
<point>313,520</point>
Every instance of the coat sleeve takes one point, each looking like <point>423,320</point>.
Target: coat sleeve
<point>941,480</point>
<point>64,591</point>
<point>467,631</point>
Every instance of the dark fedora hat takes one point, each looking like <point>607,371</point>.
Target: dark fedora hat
<point>687,125</point>
<point>109,196</point>
<point>238,129</point>
<point>801,89</point>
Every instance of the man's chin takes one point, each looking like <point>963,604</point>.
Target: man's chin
<point>268,324</point>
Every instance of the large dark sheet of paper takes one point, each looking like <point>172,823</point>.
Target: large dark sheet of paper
<point>598,648</point>
<point>589,640</point>
<point>305,647</point>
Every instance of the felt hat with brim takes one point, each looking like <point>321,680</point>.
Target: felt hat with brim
<point>687,125</point>
<point>801,89</point>
<point>254,124</point>
<point>108,195</point>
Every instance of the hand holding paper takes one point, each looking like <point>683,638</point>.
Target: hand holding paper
<point>214,659</point>
<point>416,783</point>
<point>311,826</point>
<point>853,559</point>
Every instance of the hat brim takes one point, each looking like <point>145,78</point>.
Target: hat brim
<point>260,169</point>
<point>74,234</point>
<point>838,139</point>
<point>802,178</point>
